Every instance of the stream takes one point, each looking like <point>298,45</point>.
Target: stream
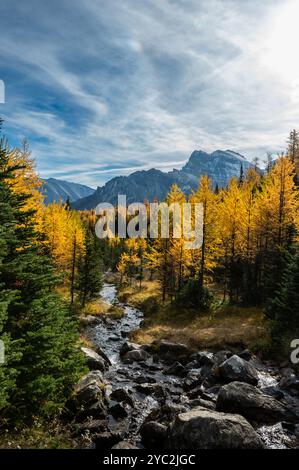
<point>143,380</point>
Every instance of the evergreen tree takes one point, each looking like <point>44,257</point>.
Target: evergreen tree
<point>32,315</point>
<point>283,310</point>
<point>89,269</point>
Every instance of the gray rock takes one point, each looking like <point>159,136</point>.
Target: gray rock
<point>121,395</point>
<point>90,389</point>
<point>247,400</point>
<point>136,355</point>
<point>153,434</point>
<point>118,411</point>
<point>203,403</point>
<point>237,369</point>
<point>171,351</point>
<point>127,346</point>
<point>176,369</point>
<point>207,429</point>
<point>94,361</point>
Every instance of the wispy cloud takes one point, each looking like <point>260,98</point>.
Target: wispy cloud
<point>102,88</point>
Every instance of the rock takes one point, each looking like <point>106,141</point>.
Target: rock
<point>166,413</point>
<point>236,369</point>
<point>153,434</point>
<point>127,346</point>
<point>94,376</point>
<point>171,351</point>
<point>96,411</point>
<point>207,429</point>
<point>203,403</point>
<point>155,390</point>
<point>136,355</point>
<point>247,400</point>
<point>94,361</point>
<point>124,445</point>
<point>89,320</point>
<point>221,356</point>
<point>176,369</point>
<point>246,355</point>
<point>121,395</point>
<point>90,389</point>
<point>101,353</point>
<point>106,439</point>
<point>118,411</point>
<point>202,359</point>
<point>192,380</point>
<point>145,379</point>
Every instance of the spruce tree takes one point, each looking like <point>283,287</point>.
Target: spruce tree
<point>89,269</point>
<point>283,310</point>
<point>32,314</point>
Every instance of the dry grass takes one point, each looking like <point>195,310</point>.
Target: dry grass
<point>228,327</point>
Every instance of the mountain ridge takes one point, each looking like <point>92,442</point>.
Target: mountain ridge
<point>220,166</point>
<point>56,190</point>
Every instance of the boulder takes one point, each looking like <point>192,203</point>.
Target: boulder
<point>247,400</point>
<point>176,369</point>
<point>153,434</point>
<point>101,353</point>
<point>155,390</point>
<point>136,355</point>
<point>171,352</point>
<point>207,429</point>
<point>117,410</point>
<point>200,359</point>
<point>121,395</point>
<point>127,346</point>
<point>192,380</point>
<point>90,389</point>
<point>203,403</point>
<point>221,356</point>
<point>94,360</point>
<point>237,369</point>
<point>106,440</point>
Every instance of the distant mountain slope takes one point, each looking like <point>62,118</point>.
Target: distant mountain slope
<point>220,166</point>
<point>59,190</point>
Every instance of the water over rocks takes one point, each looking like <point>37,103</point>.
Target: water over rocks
<point>164,395</point>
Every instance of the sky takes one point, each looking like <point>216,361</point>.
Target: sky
<point>102,88</point>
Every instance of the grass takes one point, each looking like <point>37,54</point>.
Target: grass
<point>231,327</point>
<point>41,435</point>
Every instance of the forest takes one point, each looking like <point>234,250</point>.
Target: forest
<point>52,267</point>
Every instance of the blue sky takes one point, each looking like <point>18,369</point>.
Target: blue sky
<point>103,87</point>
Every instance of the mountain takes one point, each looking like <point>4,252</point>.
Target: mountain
<point>220,166</point>
<point>59,190</point>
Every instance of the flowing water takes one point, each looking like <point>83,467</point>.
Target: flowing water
<point>110,336</point>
